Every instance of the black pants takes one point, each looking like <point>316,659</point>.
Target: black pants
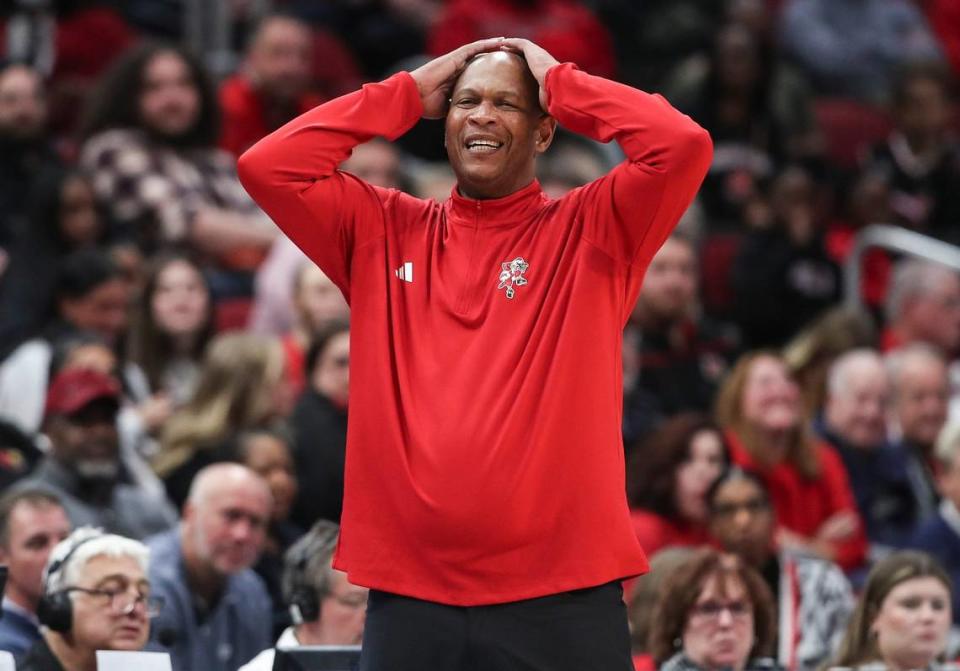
<point>584,630</point>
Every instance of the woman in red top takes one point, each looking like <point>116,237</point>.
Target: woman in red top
<point>667,480</point>
<point>760,410</point>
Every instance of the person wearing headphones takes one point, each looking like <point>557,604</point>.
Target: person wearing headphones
<point>326,609</point>
<point>96,596</point>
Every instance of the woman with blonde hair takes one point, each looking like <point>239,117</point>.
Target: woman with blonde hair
<point>241,386</point>
<point>761,413</point>
<point>903,617</point>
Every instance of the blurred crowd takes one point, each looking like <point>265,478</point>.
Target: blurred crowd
<point>174,372</point>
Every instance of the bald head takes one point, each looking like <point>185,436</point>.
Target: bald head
<point>217,479</point>
<point>857,398</point>
<point>506,63</point>
<point>225,520</point>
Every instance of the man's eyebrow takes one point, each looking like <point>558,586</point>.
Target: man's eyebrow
<point>120,577</point>
<point>502,93</point>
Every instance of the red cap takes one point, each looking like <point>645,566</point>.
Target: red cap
<point>75,388</point>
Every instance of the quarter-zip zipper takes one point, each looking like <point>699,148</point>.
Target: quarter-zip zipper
<point>463,304</point>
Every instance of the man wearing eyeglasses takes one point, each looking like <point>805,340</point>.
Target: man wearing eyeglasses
<point>96,596</point>
<point>326,608</point>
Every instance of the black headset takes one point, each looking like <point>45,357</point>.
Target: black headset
<point>304,601</point>
<point>55,610</point>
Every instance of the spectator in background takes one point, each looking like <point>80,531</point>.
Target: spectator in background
<point>24,147</point>
<point>758,114</point>
<point>921,158</point>
<point>83,467</point>
<point>87,603</point>
<point>217,613</point>
<point>812,351</point>
<point>813,598</point>
<point>240,386</point>
<point>32,522</point>
<point>783,277</point>
<point>852,47</point>
<point>923,305</point>
<point>565,28</point>
<point>273,86</point>
<point>643,597</point>
<point>715,612</point>
<point>319,424</point>
<point>854,423</point>
<point>667,481</point>
<point>170,328</point>
<point>328,609</point>
<point>377,162</point>
<point>92,295</point>
<point>680,356</point>
<point>317,302</point>
<point>903,616</point>
<point>940,535</point>
<point>60,217</point>
<point>759,409</point>
<point>150,132</point>
<point>920,393</point>
<point>267,452</point>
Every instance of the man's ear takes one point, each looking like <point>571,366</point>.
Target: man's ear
<point>546,129</point>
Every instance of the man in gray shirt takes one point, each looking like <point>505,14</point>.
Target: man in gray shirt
<point>217,614</point>
<point>83,468</point>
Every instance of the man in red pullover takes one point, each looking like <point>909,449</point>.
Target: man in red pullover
<point>484,500</point>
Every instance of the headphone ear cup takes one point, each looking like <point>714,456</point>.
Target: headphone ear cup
<point>305,599</point>
<point>56,612</point>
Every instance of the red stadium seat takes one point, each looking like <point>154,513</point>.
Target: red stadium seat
<point>849,128</point>
<point>232,314</point>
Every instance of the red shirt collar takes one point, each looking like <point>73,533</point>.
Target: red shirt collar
<point>519,206</point>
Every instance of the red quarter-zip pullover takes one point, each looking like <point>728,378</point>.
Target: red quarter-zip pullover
<point>484,458</point>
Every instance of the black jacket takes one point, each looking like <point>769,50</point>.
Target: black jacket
<point>39,658</point>
<point>319,454</point>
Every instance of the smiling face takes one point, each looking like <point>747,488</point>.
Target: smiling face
<point>771,399</point>
<point>495,127</point>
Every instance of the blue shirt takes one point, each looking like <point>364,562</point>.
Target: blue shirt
<point>18,632</point>
<point>232,633</point>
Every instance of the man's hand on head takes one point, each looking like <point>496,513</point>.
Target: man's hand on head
<point>538,60</point>
<point>436,78</point>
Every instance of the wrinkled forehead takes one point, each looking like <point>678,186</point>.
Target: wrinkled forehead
<point>498,71</point>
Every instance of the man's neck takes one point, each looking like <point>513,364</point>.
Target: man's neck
<point>314,633</point>
<point>20,599</point>
<point>70,657</point>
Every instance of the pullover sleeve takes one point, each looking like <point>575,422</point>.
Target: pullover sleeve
<point>292,173</point>
<point>629,212</point>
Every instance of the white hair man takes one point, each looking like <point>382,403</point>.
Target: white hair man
<point>326,609</point>
<point>920,384</point>
<point>854,423</point>
<point>923,305</point>
<point>96,596</point>
<point>218,613</point>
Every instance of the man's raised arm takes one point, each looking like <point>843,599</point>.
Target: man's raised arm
<point>631,211</point>
<point>292,173</point>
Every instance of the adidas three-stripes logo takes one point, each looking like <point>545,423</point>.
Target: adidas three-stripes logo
<point>405,272</point>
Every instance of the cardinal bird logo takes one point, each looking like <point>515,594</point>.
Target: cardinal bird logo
<point>511,275</point>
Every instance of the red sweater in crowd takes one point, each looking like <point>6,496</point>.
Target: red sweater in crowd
<point>484,458</point>
<point>802,504</point>
<point>244,117</point>
<point>656,532</point>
